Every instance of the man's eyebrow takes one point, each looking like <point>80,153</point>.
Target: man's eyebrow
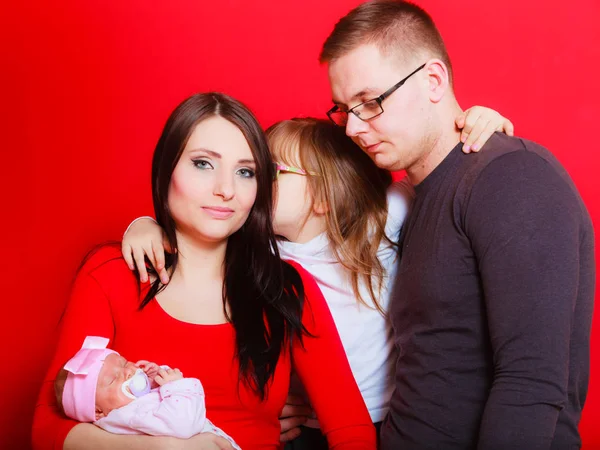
<point>364,92</point>
<point>359,95</point>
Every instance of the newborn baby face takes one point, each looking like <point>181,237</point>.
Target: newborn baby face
<point>115,371</point>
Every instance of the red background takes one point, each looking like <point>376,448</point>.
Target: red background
<point>87,86</point>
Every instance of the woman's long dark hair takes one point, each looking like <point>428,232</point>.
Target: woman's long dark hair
<point>264,294</point>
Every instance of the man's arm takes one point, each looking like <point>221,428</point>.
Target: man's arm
<point>524,222</point>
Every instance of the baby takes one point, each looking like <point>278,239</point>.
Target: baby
<point>100,386</point>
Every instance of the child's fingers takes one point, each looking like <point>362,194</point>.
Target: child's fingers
<point>476,131</point>
<point>508,128</point>
<point>127,252</point>
<point>138,256</point>
<point>481,140</point>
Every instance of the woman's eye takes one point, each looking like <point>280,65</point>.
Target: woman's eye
<point>202,164</point>
<point>246,173</point>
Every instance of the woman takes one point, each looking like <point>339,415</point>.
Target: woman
<point>233,314</point>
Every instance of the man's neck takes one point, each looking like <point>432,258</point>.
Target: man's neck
<point>441,144</point>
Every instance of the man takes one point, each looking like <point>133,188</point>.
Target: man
<point>494,292</point>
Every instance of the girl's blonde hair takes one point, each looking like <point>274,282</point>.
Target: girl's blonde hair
<point>352,186</point>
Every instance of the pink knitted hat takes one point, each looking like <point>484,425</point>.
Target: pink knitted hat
<point>79,394</point>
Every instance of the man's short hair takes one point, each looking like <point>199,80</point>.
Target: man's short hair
<point>396,27</point>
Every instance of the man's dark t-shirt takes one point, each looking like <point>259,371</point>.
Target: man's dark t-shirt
<point>492,306</point>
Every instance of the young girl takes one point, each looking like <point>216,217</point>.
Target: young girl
<point>339,216</point>
<point>233,315</point>
<point>340,224</point>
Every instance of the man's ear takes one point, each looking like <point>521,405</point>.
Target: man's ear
<point>439,79</point>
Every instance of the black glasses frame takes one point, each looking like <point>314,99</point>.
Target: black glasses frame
<point>379,100</point>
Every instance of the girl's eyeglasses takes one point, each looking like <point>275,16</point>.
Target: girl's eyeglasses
<point>283,168</point>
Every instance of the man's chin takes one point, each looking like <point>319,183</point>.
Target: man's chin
<point>385,161</point>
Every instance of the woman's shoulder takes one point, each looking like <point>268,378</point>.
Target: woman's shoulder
<point>103,289</point>
<point>304,274</point>
<point>308,281</point>
<point>312,292</point>
<point>106,265</point>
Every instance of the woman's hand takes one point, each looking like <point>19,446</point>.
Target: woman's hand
<point>295,413</point>
<point>145,237</point>
<point>86,435</point>
<point>478,124</point>
<point>202,441</point>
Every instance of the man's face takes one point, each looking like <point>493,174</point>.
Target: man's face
<point>396,139</point>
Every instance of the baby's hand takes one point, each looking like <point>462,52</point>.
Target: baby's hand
<point>150,369</point>
<point>166,376</point>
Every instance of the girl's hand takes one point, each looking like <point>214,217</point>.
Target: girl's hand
<point>145,237</point>
<point>478,124</point>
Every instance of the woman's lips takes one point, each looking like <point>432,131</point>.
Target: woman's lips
<point>218,212</point>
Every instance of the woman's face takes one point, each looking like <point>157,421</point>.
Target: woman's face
<point>213,186</point>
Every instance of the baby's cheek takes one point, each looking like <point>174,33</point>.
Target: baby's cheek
<point>119,399</point>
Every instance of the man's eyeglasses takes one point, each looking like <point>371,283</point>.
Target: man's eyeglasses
<point>369,109</point>
<point>283,168</point>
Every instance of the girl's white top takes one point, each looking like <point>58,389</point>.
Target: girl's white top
<point>366,335</point>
